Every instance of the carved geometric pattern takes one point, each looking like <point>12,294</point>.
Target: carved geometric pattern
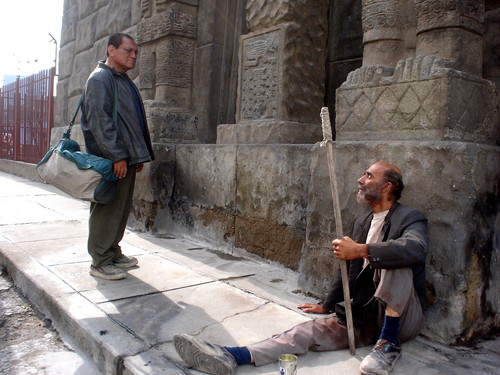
<point>454,108</point>
<point>381,14</point>
<point>171,22</point>
<point>467,14</point>
<point>398,107</point>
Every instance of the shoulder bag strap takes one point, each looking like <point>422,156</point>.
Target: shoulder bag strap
<point>67,134</point>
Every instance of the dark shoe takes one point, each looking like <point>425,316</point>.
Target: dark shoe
<point>124,261</point>
<point>382,359</point>
<point>203,356</point>
<point>108,272</point>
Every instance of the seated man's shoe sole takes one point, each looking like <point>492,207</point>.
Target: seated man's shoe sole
<point>98,272</point>
<point>381,360</point>
<point>204,357</point>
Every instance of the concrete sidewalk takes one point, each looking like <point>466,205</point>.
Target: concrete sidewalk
<point>180,286</point>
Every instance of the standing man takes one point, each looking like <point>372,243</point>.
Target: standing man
<point>386,259</point>
<point>127,144</point>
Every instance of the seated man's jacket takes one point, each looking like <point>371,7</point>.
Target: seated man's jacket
<point>404,244</point>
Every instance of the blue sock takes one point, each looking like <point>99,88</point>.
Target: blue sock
<point>241,354</point>
<point>390,329</point>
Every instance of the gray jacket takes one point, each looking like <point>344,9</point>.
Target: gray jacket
<point>126,141</point>
<point>404,244</point>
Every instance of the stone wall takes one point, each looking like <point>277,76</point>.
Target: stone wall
<point>233,89</point>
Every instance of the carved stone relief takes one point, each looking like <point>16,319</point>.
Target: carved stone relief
<point>451,29</point>
<point>388,31</point>
<point>171,22</point>
<point>466,14</point>
<point>421,99</point>
<point>260,77</point>
<point>166,35</point>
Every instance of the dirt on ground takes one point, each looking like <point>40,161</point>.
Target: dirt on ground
<point>28,342</point>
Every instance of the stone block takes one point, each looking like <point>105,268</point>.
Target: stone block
<point>66,56</point>
<point>61,103</point>
<point>456,185</point>
<point>210,28</point>
<point>452,29</point>
<point>203,200</point>
<point>153,189</point>
<point>262,14</point>
<point>112,18</point>
<point>69,25</point>
<point>251,197</point>
<point>421,100</point>
<point>85,35</point>
<point>279,78</point>
<point>85,8</point>
<point>207,100</point>
<point>175,20</point>
<point>171,125</point>
<point>269,132</point>
<point>271,196</point>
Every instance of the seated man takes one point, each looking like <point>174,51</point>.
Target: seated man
<point>386,260</point>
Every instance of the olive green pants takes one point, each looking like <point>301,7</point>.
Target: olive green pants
<point>107,222</point>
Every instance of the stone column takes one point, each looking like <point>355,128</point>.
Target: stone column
<point>281,73</point>
<point>452,29</point>
<point>166,36</point>
<point>387,31</point>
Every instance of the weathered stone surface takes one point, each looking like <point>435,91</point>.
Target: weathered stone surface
<point>262,14</point>
<point>177,19</point>
<point>113,18</point>
<point>85,36</point>
<point>451,29</point>
<point>265,132</point>
<point>388,30</point>
<point>461,207</point>
<point>70,25</point>
<point>491,47</point>
<point>279,79</point>
<point>271,197</point>
<point>422,100</point>
<point>195,190</point>
<point>153,189</point>
<point>66,57</point>
<point>267,91</point>
<point>171,125</point>
<point>252,197</point>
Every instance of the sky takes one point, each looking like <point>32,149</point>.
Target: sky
<point>26,44</point>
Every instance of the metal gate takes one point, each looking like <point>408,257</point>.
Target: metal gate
<point>27,117</point>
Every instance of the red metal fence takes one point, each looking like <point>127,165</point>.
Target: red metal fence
<point>27,117</point>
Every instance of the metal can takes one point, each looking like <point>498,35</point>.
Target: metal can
<point>288,364</point>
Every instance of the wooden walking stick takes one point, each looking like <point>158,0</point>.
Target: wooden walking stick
<point>328,143</point>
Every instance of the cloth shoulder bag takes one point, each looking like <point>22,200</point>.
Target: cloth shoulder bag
<point>81,175</point>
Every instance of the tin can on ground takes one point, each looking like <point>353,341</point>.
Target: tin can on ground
<point>288,364</point>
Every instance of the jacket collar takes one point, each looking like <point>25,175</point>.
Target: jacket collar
<point>102,64</point>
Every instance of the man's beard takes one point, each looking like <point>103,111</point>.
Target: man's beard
<point>369,195</point>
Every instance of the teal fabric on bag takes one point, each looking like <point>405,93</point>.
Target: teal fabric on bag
<point>79,174</point>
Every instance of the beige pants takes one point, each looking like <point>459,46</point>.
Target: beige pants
<point>395,289</point>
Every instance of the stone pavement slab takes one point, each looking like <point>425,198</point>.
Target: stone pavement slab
<point>179,286</point>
